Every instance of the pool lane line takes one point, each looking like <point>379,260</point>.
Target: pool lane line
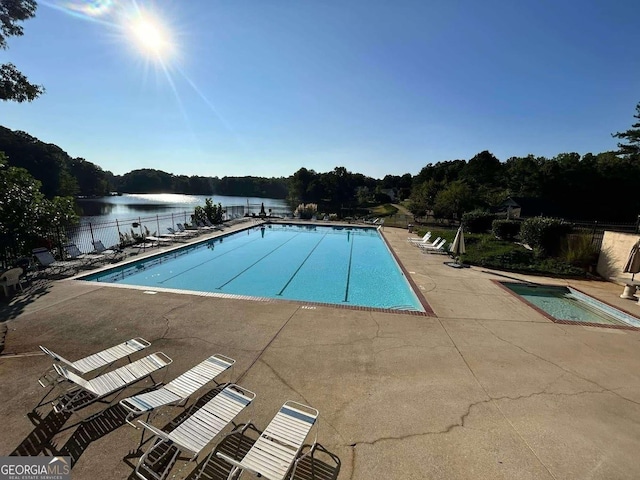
<point>300,266</point>
<point>346,292</point>
<point>207,261</point>
<point>256,262</point>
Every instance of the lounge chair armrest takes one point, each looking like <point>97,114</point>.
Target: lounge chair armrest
<point>224,358</point>
<point>130,407</point>
<point>243,391</point>
<point>302,407</point>
<point>144,342</point>
<point>167,358</point>
<point>229,460</point>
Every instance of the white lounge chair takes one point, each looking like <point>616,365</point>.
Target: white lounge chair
<point>179,389</point>
<point>175,234</point>
<point>159,240</point>
<point>182,229</point>
<point>46,260</point>
<point>74,253</point>
<point>424,239</point>
<point>194,434</point>
<point>86,392</point>
<point>435,248</point>
<point>278,446</point>
<point>102,359</point>
<point>11,278</point>
<point>427,243</point>
<point>111,254</point>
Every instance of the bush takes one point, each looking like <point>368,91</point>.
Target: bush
<point>505,229</point>
<point>306,211</point>
<point>544,234</point>
<point>478,221</point>
<point>580,251</point>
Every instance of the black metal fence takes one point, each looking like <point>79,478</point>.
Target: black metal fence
<point>593,228</point>
<point>110,233</point>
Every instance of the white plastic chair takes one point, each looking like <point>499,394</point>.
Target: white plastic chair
<point>11,278</point>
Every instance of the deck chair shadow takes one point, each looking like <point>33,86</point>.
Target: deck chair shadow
<point>194,434</point>
<point>99,360</point>
<point>47,261</point>
<point>11,278</point>
<point>178,390</point>
<point>277,448</point>
<point>85,392</point>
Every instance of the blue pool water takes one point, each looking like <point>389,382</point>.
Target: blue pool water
<point>346,266</point>
<point>566,303</point>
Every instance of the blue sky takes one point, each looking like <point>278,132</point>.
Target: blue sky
<point>264,87</point>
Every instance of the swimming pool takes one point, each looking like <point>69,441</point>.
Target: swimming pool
<point>567,304</point>
<point>348,266</point>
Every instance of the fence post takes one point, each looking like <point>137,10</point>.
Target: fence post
<point>93,240</point>
<point>158,224</point>
<point>119,234</point>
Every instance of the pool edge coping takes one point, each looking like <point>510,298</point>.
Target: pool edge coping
<point>423,302</point>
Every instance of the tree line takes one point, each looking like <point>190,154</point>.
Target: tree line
<point>61,175</point>
<point>587,187</point>
<point>591,186</point>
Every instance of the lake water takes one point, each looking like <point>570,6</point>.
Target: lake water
<point>129,207</point>
<point>106,218</point>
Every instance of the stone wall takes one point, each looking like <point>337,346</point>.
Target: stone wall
<point>614,254</point>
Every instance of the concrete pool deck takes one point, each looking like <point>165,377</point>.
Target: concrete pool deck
<point>486,388</point>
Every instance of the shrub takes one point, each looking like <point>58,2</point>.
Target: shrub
<point>544,234</point>
<point>505,229</point>
<point>580,251</point>
<point>478,221</point>
<point>306,211</point>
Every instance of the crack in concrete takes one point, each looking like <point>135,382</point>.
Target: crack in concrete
<point>377,335</point>
<point>604,389</point>
<point>282,380</point>
<point>461,423</point>
<point>524,441</point>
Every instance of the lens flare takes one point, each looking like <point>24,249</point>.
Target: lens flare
<point>95,8</point>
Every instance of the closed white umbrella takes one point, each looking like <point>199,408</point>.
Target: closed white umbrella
<point>633,262</point>
<point>457,247</point>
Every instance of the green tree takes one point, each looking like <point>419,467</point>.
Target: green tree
<point>453,200</point>
<point>14,85</point>
<point>423,197</point>
<point>25,213</point>
<point>632,137</point>
<point>483,169</point>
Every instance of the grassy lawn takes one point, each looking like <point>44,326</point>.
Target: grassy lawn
<point>384,210</point>
<point>484,250</point>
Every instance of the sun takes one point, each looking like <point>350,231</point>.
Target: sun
<point>150,37</point>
